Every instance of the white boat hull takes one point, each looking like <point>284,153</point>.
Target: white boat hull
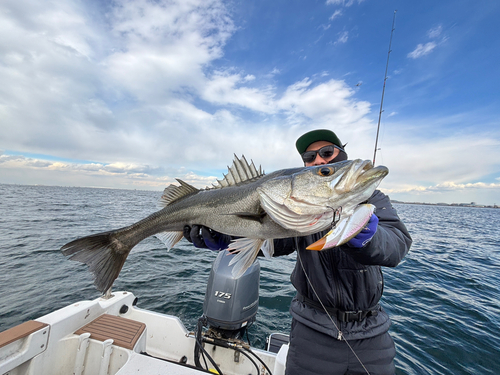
<point>57,349</point>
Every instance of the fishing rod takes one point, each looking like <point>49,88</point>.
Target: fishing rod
<point>299,259</point>
<point>383,88</point>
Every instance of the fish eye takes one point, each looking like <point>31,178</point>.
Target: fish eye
<point>325,171</point>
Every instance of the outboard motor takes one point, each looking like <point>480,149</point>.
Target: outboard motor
<point>231,304</point>
<point>229,308</point>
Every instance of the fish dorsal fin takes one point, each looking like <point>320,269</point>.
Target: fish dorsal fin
<point>240,172</point>
<point>173,193</point>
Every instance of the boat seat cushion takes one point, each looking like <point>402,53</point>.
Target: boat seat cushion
<point>20,331</point>
<point>124,332</point>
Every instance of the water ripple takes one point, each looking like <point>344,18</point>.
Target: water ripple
<point>443,299</point>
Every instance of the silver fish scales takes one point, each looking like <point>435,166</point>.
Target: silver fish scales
<point>246,203</point>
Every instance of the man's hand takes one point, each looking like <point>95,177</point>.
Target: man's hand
<point>366,234</point>
<point>205,238</point>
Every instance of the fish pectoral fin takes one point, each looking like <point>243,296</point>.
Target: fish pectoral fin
<point>268,248</point>
<point>245,252</point>
<point>169,238</point>
<point>346,229</point>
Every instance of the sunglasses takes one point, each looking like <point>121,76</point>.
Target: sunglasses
<point>325,152</point>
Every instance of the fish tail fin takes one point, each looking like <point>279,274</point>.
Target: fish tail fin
<point>103,253</point>
<point>246,250</point>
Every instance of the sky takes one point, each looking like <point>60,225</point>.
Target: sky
<point>132,94</point>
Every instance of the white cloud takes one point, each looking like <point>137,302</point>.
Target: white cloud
<point>425,49</point>
<point>275,71</point>
<point>16,161</point>
<point>452,186</point>
<point>335,14</point>
<point>435,32</point>
<point>87,92</point>
<point>121,93</point>
<point>448,192</point>
<point>418,155</point>
<point>347,3</point>
<point>422,50</point>
<point>328,101</point>
<point>224,88</point>
<point>141,86</point>
<point>110,175</point>
<point>343,37</point>
<point>165,46</point>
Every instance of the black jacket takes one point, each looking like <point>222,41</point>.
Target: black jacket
<point>349,279</point>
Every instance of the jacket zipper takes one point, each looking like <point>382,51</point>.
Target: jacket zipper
<point>336,280</point>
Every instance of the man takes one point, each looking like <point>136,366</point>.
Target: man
<point>338,326</point>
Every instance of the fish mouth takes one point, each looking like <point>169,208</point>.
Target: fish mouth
<point>360,172</point>
<point>370,172</point>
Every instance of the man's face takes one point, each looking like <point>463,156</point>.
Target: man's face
<point>319,160</point>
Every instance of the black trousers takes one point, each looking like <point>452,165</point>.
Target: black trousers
<point>312,352</point>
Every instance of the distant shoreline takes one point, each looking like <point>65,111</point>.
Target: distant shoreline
<point>472,204</point>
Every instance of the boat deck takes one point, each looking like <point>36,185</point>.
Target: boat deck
<point>112,336</point>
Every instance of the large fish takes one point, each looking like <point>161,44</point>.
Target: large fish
<point>249,204</point>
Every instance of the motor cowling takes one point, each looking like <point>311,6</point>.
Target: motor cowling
<point>231,304</point>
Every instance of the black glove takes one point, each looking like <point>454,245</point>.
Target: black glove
<point>205,238</point>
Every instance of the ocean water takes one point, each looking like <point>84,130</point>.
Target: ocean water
<point>443,298</point>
